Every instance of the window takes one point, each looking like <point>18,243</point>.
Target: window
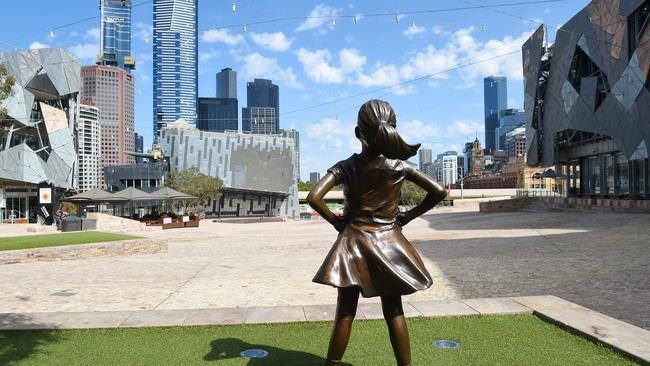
<point>636,23</point>
<point>583,66</point>
<point>623,183</point>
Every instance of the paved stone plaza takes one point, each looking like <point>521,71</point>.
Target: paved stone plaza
<point>596,260</point>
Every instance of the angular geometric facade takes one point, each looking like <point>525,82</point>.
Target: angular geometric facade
<point>246,162</point>
<point>587,98</point>
<point>39,143</point>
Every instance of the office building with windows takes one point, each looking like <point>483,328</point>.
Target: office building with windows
<point>111,90</point>
<point>115,34</point>
<point>261,115</point>
<point>425,158</point>
<point>510,119</point>
<point>587,100</point>
<point>175,62</point>
<point>495,94</point>
<point>88,147</point>
<point>217,114</point>
<point>227,83</point>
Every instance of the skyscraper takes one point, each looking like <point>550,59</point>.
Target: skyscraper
<point>110,89</point>
<point>217,114</point>
<point>115,34</point>
<point>88,151</point>
<point>425,158</point>
<point>495,89</point>
<point>227,83</point>
<point>175,62</point>
<point>263,107</point>
<point>139,147</point>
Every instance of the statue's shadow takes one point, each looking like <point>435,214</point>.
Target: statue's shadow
<point>229,348</point>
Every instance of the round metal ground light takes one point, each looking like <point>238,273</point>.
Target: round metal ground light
<point>446,344</point>
<point>254,353</point>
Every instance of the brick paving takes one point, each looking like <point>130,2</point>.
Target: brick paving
<point>600,261</point>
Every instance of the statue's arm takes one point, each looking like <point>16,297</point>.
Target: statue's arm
<point>315,200</point>
<point>435,194</point>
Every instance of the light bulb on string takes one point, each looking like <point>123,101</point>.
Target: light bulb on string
<point>396,18</point>
<point>51,33</point>
<point>413,25</point>
<point>484,27</point>
<point>354,19</point>
<point>234,7</point>
<point>245,28</point>
<point>333,22</point>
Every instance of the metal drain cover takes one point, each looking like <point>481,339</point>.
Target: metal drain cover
<point>254,353</point>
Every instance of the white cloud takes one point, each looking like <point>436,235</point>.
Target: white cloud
<point>316,64</point>
<point>85,51</point>
<point>144,32</point>
<point>464,128</point>
<point>222,35</point>
<point>93,33</point>
<point>471,50</point>
<point>258,66</point>
<point>416,131</point>
<point>318,18</point>
<point>208,56</point>
<point>333,134</point>
<point>437,29</point>
<point>413,30</point>
<point>381,75</point>
<point>276,42</point>
<point>36,45</point>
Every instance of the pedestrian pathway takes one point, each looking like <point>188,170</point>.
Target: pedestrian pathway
<point>624,337</point>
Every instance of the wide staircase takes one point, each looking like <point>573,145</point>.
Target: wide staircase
<point>116,224</point>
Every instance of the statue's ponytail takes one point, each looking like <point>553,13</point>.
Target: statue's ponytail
<point>377,122</point>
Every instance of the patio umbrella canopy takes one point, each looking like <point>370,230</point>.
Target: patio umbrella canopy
<point>167,193</point>
<point>133,194</point>
<point>94,195</point>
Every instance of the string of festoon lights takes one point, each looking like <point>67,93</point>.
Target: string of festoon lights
<point>356,18</point>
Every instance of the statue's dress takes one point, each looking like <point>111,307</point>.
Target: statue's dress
<point>371,252</point>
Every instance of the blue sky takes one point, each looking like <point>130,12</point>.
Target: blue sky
<point>314,61</point>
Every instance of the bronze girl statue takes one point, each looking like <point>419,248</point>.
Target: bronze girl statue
<point>370,255</point>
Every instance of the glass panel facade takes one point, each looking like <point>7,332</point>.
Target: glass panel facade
<point>639,178</point>
<point>610,175</point>
<point>623,182</point>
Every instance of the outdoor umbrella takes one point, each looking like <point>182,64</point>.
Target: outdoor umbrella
<point>94,195</point>
<point>131,194</point>
<point>168,194</point>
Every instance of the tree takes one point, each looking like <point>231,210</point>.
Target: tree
<point>6,84</point>
<point>305,186</point>
<point>197,184</point>
<point>411,194</point>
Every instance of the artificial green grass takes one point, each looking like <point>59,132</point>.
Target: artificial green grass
<point>485,340</point>
<point>55,240</point>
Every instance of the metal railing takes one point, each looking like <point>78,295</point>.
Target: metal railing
<point>536,192</point>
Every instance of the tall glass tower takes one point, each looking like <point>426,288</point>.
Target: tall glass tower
<point>495,89</point>
<point>115,34</point>
<point>175,62</point>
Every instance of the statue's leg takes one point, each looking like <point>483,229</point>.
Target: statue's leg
<point>399,333</point>
<point>346,309</point>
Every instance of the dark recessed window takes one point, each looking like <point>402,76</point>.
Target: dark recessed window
<point>583,66</point>
<point>637,22</point>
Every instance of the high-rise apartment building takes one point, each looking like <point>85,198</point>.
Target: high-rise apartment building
<point>262,111</point>
<point>259,120</point>
<point>88,148</point>
<point>425,158</point>
<point>115,34</point>
<point>495,89</point>
<point>175,62</point>
<point>110,89</point>
<point>227,83</point>
<point>139,147</point>
<point>217,114</point>
<point>509,120</point>
<point>314,177</point>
